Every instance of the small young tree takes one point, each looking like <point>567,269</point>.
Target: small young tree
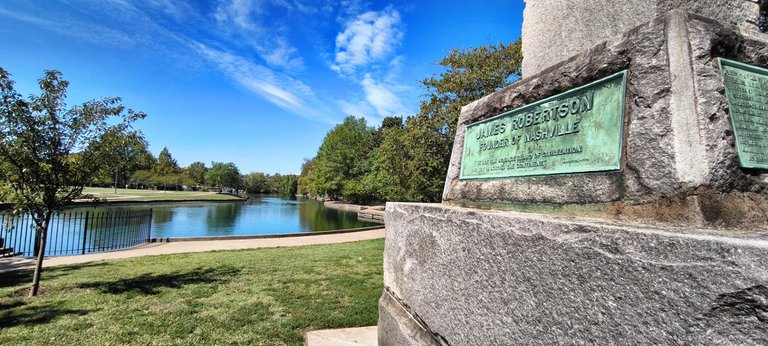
<point>50,153</point>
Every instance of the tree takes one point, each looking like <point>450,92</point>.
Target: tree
<point>428,138</point>
<point>50,153</point>
<point>256,182</point>
<point>342,160</point>
<point>166,164</point>
<point>125,153</point>
<point>305,185</point>
<point>286,185</point>
<point>166,170</point>
<point>223,175</point>
<point>196,172</point>
<point>388,166</point>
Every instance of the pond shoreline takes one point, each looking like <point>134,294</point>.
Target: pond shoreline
<point>371,213</point>
<point>111,203</point>
<point>153,202</point>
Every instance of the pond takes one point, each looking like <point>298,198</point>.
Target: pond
<point>259,215</point>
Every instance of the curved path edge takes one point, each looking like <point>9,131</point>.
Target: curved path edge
<point>173,247</point>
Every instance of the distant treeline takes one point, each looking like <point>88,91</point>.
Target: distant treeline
<point>406,159</point>
<point>135,167</point>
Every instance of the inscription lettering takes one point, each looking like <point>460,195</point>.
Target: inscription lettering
<point>577,131</point>
<point>746,88</point>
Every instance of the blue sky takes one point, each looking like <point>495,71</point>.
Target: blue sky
<point>255,82</point>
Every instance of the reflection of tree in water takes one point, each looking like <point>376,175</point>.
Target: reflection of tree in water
<point>222,217</point>
<point>316,217</point>
<point>162,215</point>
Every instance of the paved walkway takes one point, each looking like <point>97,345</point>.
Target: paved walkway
<point>14,263</point>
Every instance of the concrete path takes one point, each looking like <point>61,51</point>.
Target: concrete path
<point>13,263</point>
<point>363,336</point>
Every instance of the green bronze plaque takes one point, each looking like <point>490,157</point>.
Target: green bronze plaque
<point>574,132</point>
<point>746,87</point>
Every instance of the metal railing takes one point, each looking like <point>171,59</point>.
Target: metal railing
<point>76,232</point>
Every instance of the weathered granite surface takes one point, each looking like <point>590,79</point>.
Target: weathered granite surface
<point>679,163</point>
<point>503,278</point>
<point>402,328</point>
<point>555,30</point>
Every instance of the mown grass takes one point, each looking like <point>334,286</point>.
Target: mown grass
<point>132,195</point>
<point>253,297</point>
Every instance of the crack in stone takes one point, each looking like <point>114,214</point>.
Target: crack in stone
<point>749,302</point>
<point>435,336</point>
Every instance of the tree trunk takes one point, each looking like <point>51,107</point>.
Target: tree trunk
<point>40,256</point>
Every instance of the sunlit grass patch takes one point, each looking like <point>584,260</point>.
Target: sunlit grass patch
<point>265,296</point>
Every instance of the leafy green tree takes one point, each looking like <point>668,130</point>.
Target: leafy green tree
<point>286,185</point>
<point>342,160</point>
<point>470,75</point>
<point>428,139</point>
<point>166,164</point>
<point>256,182</point>
<point>50,152</point>
<point>388,166</point>
<point>126,153</point>
<point>196,172</point>
<point>223,175</point>
<point>305,185</point>
<point>166,170</point>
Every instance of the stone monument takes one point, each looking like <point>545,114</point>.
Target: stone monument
<point>617,194</point>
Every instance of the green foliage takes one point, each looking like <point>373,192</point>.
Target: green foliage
<point>305,185</point>
<point>125,153</point>
<point>342,158</point>
<point>166,164</point>
<point>223,175</point>
<point>196,172</point>
<point>257,182</point>
<point>409,162</point>
<point>49,152</point>
<point>286,185</point>
<point>388,164</point>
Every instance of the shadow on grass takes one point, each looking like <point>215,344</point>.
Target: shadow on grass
<point>24,276</point>
<point>20,313</point>
<point>149,284</point>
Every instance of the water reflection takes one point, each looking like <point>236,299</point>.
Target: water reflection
<point>259,215</point>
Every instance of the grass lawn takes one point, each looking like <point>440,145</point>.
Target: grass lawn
<point>150,195</point>
<point>250,297</point>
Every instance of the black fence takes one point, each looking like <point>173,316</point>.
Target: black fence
<point>76,232</point>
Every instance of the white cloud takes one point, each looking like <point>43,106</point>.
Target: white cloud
<point>359,109</point>
<point>67,26</point>
<point>370,37</point>
<point>244,20</point>
<point>283,55</point>
<point>281,90</point>
<point>382,98</point>
<point>237,12</point>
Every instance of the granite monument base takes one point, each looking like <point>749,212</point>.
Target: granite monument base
<point>458,276</point>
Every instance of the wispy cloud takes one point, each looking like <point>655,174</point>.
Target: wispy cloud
<point>70,27</point>
<point>281,90</point>
<point>278,89</point>
<point>368,38</point>
<point>382,98</point>
<point>249,21</point>
<point>237,12</point>
<point>359,109</point>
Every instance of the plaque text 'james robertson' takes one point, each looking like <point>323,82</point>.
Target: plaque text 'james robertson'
<point>577,131</point>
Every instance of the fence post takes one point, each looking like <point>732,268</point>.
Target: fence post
<point>149,227</point>
<point>85,230</point>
